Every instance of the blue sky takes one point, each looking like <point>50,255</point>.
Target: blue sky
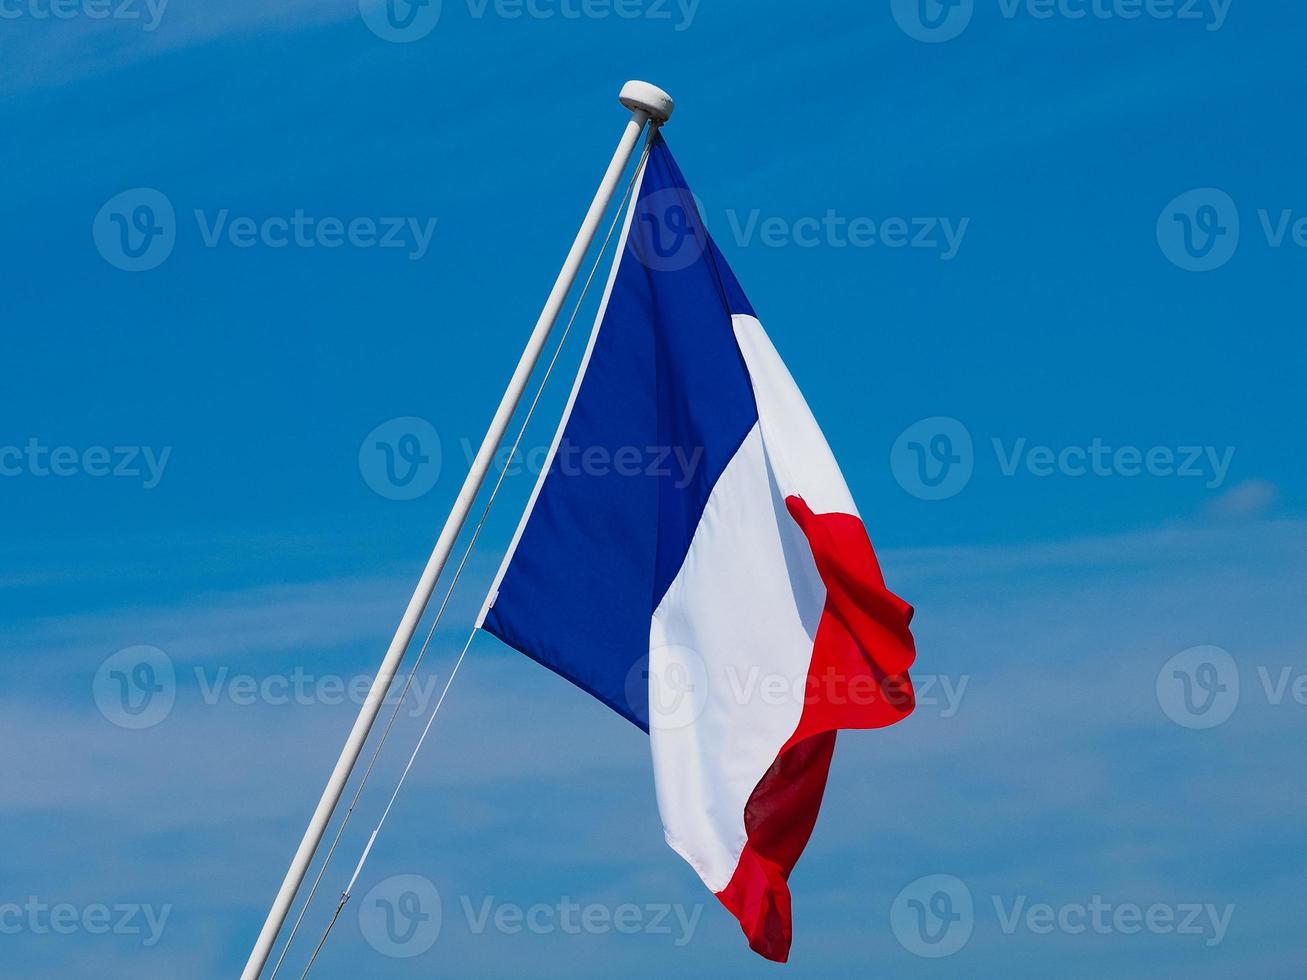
<point>1117,485</point>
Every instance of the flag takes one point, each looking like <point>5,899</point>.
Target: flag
<point>691,556</point>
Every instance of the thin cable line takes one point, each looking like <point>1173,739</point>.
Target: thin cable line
<point>372,762</point>
<point>494,493</point>
<point>367,773</point>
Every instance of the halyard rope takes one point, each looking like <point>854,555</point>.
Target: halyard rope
<point>440,612</point>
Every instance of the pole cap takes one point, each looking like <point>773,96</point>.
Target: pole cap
<point>650,98</point>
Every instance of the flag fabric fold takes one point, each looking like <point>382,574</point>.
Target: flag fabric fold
<point>692,557</point>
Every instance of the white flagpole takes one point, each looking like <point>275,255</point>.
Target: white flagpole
<point>646,102</point>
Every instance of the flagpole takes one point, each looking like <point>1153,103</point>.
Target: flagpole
<point>647,103</point>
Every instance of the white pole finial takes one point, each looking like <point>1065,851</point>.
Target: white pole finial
<point>653,100</point>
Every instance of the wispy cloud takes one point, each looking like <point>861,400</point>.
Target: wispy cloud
<point>1059,737</point>
<point>1251,498</point>
<point>43,51</point>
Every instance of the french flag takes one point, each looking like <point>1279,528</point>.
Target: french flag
<point>691,556</point>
